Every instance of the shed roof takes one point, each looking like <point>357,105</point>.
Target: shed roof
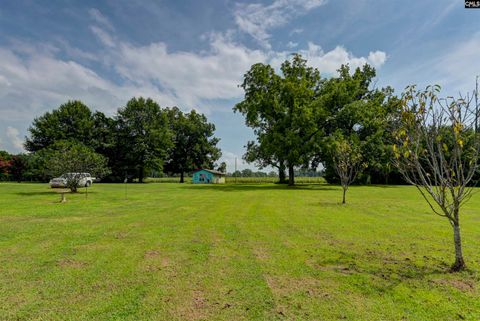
<point>211,171</point>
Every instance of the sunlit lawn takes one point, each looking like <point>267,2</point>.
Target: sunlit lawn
<point>232,252</point>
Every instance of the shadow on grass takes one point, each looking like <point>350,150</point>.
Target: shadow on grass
<point>384,274</point>
<point>379,186</point>
<point>36,193</point>
<point>258,187</point>
<point>52,192</point>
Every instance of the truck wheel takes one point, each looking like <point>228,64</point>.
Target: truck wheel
<point>88,183</point>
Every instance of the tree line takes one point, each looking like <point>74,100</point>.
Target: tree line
<point>140,138</point>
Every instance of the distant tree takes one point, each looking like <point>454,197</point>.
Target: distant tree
<point>222,167</point>
<point>437,150</point>
<point>260,155</point>
<point>107,141</point>
<point>194,144</point>
<point>144,137</point>
<point>5,164</point>
<point>71,121</point>
<point>283,112</point>
<point>347,160</point>
<point>19,167</point>
<point>247,173</point>
<point>74,158</point>
<point>237,174</point>
<point>272,174</point>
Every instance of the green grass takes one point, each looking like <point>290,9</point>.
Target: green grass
<point>232,252</point>
<point>241,180</point>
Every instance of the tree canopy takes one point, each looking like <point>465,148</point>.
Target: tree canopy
<point>283,112</point>
<point>144,136</point>
<point>194,144</point>
<point>71,121</point>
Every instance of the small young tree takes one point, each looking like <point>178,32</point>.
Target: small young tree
<point>437,150</point>
<point>222,167</point>
<point>74,158</point>
<point>347,161</point>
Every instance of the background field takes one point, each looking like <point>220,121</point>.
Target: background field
<point>232,252</point>
<point>242,180</point>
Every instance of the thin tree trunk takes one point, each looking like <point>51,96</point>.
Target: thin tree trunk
<point>291,176</point>
<point>140,175</point>
<point>281,173</point>
<point>181,177</point>
<point>344,192</point>
<point>459,264</point>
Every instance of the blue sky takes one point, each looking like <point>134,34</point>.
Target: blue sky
<point>193,54</point>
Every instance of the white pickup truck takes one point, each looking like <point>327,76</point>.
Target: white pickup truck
<point>84,180</point>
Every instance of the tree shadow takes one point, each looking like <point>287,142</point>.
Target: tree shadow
<point>36,193</point>
<point>380,186</point>
<point>52,192</point>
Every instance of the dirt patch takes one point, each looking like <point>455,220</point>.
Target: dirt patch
<point>286,286</point>
<point>165,262</point>
<point>71,263</point>
<point>337,268</point>
<point>261,253</point>
<point>462,285</point>
<point>196,308</point>
<point>151,254</point>
<point>155,261</point>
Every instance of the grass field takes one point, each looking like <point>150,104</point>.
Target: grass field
<point>232,252</point>
<point>241,180</point>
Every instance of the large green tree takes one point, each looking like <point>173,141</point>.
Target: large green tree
<point>71,121</point>
<point>354,108</point>
<point>283,112</point>
<point>144,137</point>
<point>194,144</point>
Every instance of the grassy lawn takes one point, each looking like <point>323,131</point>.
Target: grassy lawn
<point>232,252</point>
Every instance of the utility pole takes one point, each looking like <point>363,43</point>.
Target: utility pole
<point>476,104</point>
<point>235,170</point>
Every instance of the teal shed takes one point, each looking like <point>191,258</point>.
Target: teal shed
<point>208,176</point>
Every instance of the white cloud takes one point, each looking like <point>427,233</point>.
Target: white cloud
<point>377,58</point>
<point>103,36</point>
<point>295,31</point>
<point>292,44</point>
<point>14,137</point>
<point>190,77</point>
<point>258,19</point>
<point>329,62</point>
<point>98,17</point>
<point>185,79</point>
<point>36,83</point>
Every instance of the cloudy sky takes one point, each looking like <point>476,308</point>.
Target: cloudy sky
<point>193,54</point>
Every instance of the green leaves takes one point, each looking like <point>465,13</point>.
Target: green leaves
<point>283,112</point>
<point>144,136</point>
<point>73,157</point>
<point>71,121</point>
<point>194,144</point>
